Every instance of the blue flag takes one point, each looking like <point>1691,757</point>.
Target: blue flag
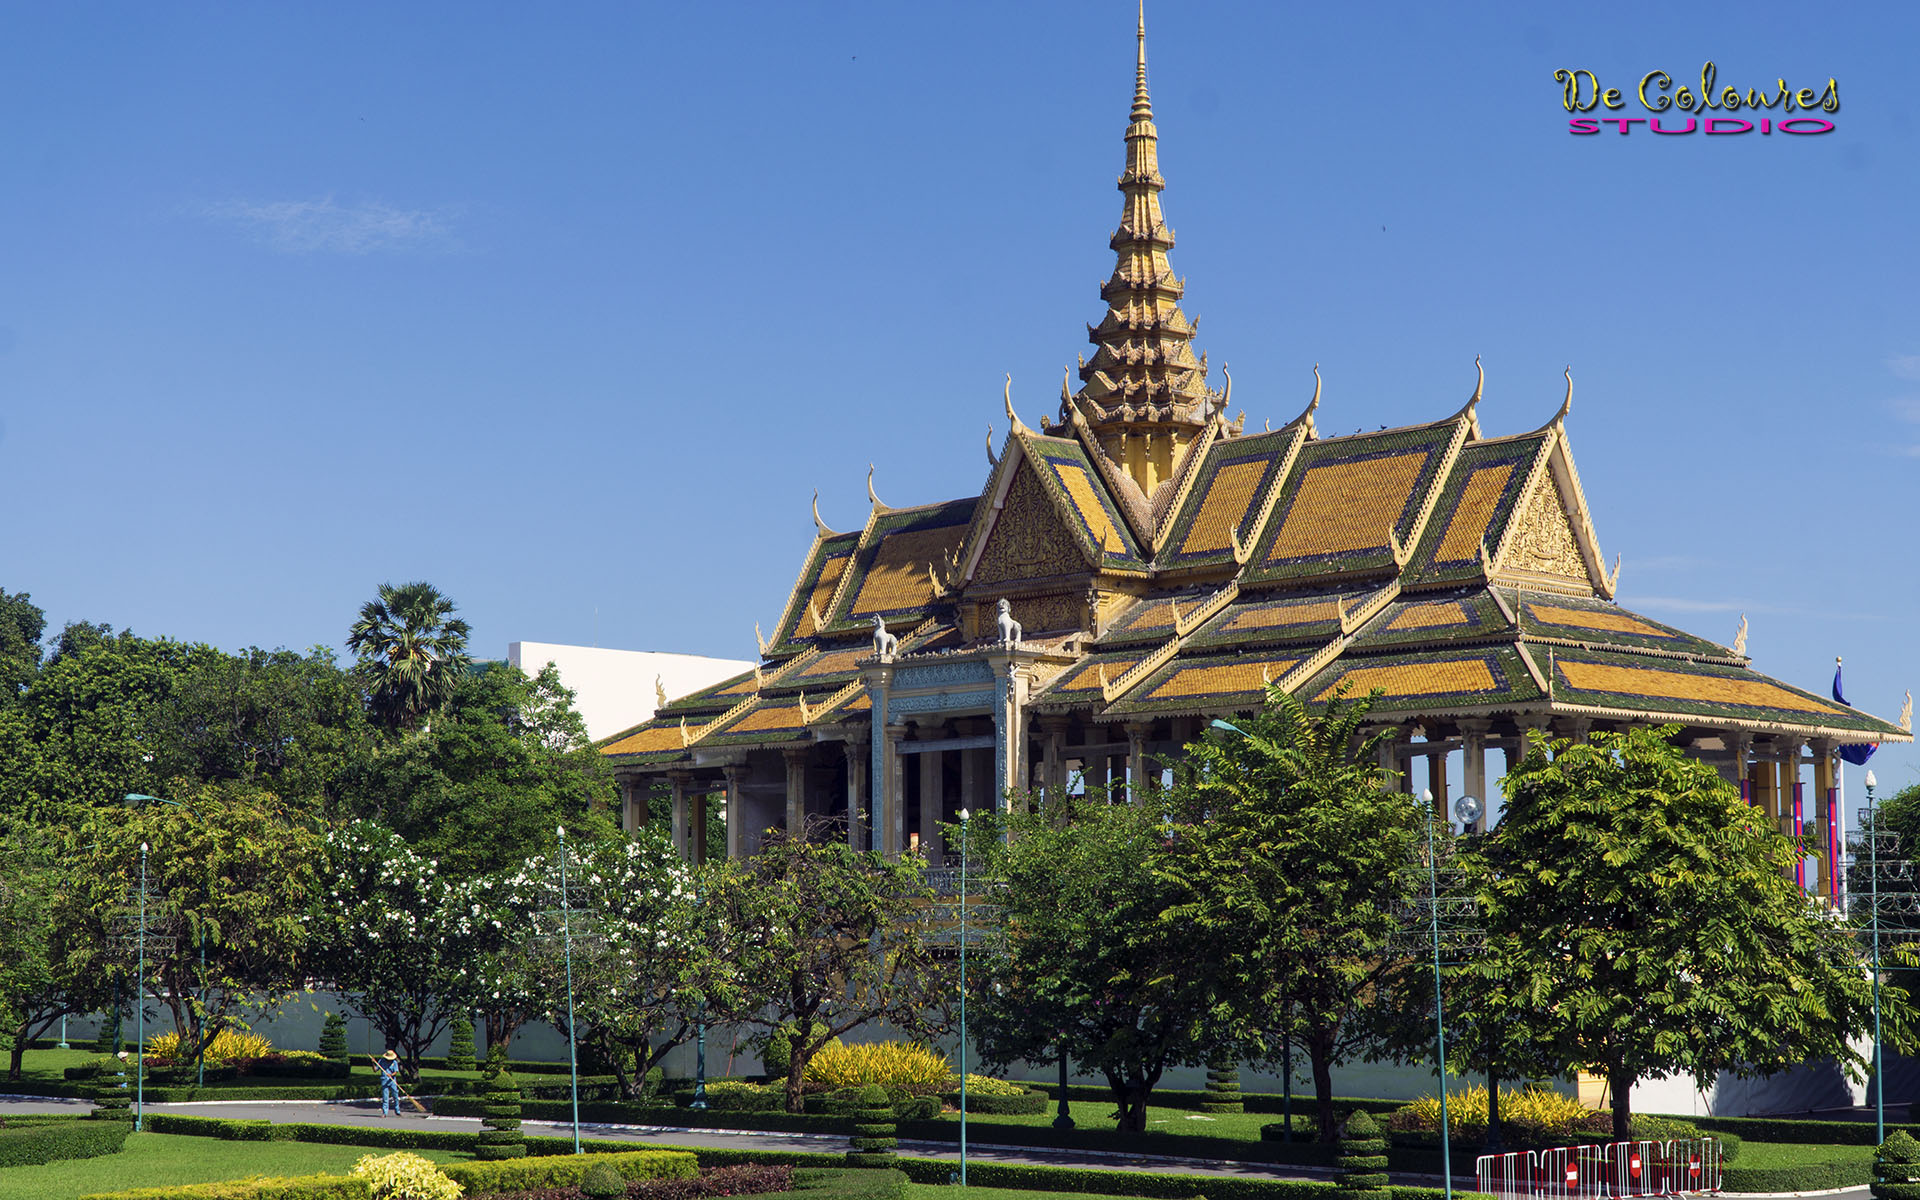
<point>1857,755</point>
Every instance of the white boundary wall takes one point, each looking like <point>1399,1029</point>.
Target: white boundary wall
<point>613,689</point>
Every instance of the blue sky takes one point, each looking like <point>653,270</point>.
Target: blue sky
<point>568,310</point>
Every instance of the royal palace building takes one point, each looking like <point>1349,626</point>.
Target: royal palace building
<point>1141,563</point>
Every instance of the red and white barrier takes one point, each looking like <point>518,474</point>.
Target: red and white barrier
<point>1599,1172</point>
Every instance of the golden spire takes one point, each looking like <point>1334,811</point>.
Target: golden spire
<point>1144,392</point>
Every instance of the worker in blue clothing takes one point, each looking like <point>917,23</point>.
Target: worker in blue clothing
<point>389,1068</point>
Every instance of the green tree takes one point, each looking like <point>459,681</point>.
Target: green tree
<point>1085,960</point>
<point>89,717</point>
<point>21,626</point>
<point>230,883</point>
<point>640,954</point>
<point>288,722</point>
<point>482,789</point>
<point>1659,926</point>
<point>1298,874</point>
<point>823,938</point>
<point>43,977</point>
<point>412,653</point>
<point>401,938</point>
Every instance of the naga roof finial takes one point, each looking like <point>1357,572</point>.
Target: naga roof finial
<point>1566,405</point>
<point>993,460</point>
<point>873,499</point>
<point>659,693</point>
<point>1018,425</point>
<point>1740,638</point>
<point>1906,714</point>
<point>817,522</point>
<point>1478,387</point>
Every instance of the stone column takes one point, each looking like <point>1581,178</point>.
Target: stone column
<point>1437,780</point>
<point>630,793</point>
<point>1577,728</point>
<point>796,760</point>
<point>698,835</point>
<point>857,754</point>
<point>736,774</point>
<point>1739,743</point>
<point>890,814</point>
<point>680,780</point>
<point>1137,734</point>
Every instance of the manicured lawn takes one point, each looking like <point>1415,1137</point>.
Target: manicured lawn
<point>154,1159</point>
<point>1798,1154</point>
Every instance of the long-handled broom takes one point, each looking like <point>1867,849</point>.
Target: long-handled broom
<point>403,1091</point>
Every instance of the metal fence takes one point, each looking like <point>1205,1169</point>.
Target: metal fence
<point>1679,1167</point>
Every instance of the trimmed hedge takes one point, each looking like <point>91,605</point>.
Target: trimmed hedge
<point>1025,1104</point>
<point>1195,1100</point>
<point>376,1136</point>
<point>1807,1177</point>
<point>32,1145</point>
<point>1153,1185</point>
<point>516,1174</point>
<point>1773,1129</point>
<point>294,1187</point>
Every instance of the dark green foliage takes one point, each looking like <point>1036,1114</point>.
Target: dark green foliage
<point>31,1145</point>
<point>333,1038</point>
<point>1024,1104</point>
<point>1805,1177</point>
<point>1223,1086</point>
<point>1896,1168</point>
<point>873,1138</point>
<point>602,1181</point>
<point>460,1045</point>
<point>1363,1159</point>
<point>777,1052</point>
<point>112,1092</point>
<point>109,1040</point>
<point>501,1136</point>
<point>1629,893</point>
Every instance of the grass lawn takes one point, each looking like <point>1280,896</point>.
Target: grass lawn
<point>1798,1154</point>
<point>154,1159</point>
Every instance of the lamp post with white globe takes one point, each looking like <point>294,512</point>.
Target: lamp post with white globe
<point>1873,874</point>
<point>1466,810</point>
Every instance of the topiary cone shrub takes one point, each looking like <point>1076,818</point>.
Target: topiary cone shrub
<point>873,1138</point>
<point>112,1098</point>
<point>1362,1161</point>
<point>500,1117</point>
<point>1896,1168</point>
<point>460,1045</point>
<point>333,1038</point>
<point>1223,1086</point>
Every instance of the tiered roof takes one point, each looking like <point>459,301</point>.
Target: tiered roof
<point>1460,575</point>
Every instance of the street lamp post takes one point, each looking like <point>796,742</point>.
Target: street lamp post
<point>1873,874</point>
<point>140,1007</point>
<point>963,997</point>
<point>136,799</point>
<point>699,1101</point>
<point>1064,1120</point>
<point>1439,1008</point>
<point>566,937</point>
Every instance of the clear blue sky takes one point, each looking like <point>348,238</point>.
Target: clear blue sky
<point>568,309</point>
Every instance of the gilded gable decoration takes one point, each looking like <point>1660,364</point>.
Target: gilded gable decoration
<point>1028,540</point>
<point>1542,540</point>
<point>1740,638</point>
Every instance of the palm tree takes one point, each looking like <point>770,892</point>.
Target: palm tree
<point>412,650</point>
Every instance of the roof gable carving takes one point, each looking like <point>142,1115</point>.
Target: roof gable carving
<point>1028,540</point>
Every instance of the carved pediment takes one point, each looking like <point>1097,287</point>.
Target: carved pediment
<point>1542,541</point>
<point>1028,540</point>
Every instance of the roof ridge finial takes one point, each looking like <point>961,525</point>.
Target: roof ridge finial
<point>1142,105</point>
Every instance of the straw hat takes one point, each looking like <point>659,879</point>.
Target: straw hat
<point>390,1054</point>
